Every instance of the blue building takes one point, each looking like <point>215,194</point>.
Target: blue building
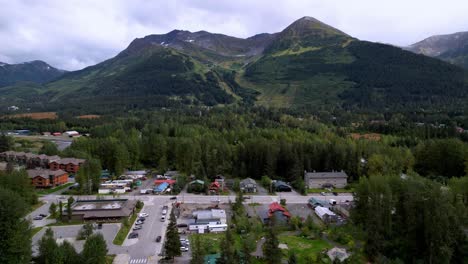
<point>161,188</point>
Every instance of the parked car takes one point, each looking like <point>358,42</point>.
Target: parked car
<point>143,215</point>
<point>99,226</point>
<point>43,215</point>
<point>38,217</point>
<point>323,193</point>
<point>173,198</point>
<point>163,218</point>
<point>183,249</point>
<point>335,193</point>
<point>158,239</point>
<point>139,222</point>
<point>182,225</point>
<point>133,235</point>
<point>138,227</point>
<point>141,219</point>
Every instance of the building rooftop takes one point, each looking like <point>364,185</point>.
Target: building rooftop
<point>111,208</point>
<point>326,175</point>
<point>44,173</point>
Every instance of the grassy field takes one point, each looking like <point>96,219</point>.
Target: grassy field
<point>52,190</point>
<point>37,115</point>
<point>305,248</point>
<point>88,116</point>
<point>124,230</point>
<point>210,242</point>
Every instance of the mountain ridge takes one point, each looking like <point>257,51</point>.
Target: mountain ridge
<point>452,48</point>
<point>35,71</point>
<point>308,65</point>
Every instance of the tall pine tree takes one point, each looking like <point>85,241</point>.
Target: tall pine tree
<point>94,250</point>
<point>172,246</point>
<point>271,251</point>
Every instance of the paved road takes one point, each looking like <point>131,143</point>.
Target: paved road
<point>145,245</point>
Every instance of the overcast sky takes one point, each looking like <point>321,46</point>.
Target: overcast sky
<point>72,34</point>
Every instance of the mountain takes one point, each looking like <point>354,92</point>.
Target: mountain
<point>452,48</point>
<point>219,44</point>
<point>309,65</point>
<point>33,71</point>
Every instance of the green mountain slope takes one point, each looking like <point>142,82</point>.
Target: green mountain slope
<point>313,66</point>
<point>452,48</point>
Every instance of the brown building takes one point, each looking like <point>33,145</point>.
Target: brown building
<point>41,178</point>
<point>31,161</point>
<point>70,165</point>
<point>102,210</point>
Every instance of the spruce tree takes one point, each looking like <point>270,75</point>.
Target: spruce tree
<point>49,251</point>
<point>227,249</point>
<point>270,249</point>
<point>69,207</point>
<point>197,251</point>
<point>94,250</point>
<point>172,246</point>
<point>70,256</point>
<point>53,210</point>
<point>60,211</point>
<point>15,238</point>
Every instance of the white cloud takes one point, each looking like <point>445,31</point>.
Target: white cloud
<point>76,33</point>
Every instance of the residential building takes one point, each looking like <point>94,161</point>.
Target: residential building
<point>42,178</point>
<point>335,179</point>
<point>196,186</point>
<point>248,185</point>
<point>30,160</point>
<point>274,210</point>
<point>215,187</point>
<point>171,174</point>
<point>70,165</point>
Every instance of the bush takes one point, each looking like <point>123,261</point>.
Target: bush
<point>139,204</point>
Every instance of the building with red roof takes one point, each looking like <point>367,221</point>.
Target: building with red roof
<point>170,182</point>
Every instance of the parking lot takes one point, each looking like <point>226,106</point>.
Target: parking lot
<point>69,233</point>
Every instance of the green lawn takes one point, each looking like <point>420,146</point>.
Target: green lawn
<point>36,230</point>
<point>124,230</point>
<point>210,242</point>
<point>304,247</point>
<point>34,207</point>
<point>65,223</point>
<point>110,259</point>
<point>51,190</point>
